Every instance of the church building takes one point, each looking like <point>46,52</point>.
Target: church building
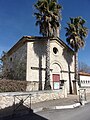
<point>26,60</point>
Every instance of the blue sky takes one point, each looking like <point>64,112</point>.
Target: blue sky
<point>17,20</point>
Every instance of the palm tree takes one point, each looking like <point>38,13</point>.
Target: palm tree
<point>48,17</point>
<point>76,33</point>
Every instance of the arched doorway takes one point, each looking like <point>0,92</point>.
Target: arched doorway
<point>56,76</point>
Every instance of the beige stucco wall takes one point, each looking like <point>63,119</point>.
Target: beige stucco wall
<point>85,81</point>
<point>58,62</point>
<point>62,59</point>
<point>35,60</point>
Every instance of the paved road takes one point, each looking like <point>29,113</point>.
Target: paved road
<point>82,113</point>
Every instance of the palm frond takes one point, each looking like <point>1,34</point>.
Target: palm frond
<point>48,14</point>
<point>76,33</point>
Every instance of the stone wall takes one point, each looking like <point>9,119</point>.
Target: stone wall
<point>15,64</point>
<point>7,100</point>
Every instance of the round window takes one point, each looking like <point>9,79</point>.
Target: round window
<point>55,50</point>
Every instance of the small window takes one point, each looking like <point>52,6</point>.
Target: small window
<point>11,59</point>
<point>55,50</point>
<point>81,81</point>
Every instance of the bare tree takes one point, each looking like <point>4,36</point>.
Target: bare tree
<point>83,67</point>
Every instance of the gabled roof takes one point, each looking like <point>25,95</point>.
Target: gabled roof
<point>25,39</point>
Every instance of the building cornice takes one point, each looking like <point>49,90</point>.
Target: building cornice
<point>26,39</point>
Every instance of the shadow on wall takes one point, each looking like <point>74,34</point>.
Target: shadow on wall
<point>68,55</point>
<point>40,50</point>
<point>19,112</point>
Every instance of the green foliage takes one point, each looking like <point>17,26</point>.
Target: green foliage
<point>76,33</point>
<point>47,16</point>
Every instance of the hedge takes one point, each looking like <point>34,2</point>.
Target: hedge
<point>12,85</point>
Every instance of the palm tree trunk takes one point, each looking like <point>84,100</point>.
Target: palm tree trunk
<point>76,72</point>
<point>40,73</point>
<point>47,75</point>
<point>70,85</point>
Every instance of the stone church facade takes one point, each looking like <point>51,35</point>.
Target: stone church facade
<point>26,60</point>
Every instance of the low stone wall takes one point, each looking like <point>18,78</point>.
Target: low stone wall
<point>8,99</point>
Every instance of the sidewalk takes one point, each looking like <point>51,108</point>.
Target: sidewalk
<point>71,101</point>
